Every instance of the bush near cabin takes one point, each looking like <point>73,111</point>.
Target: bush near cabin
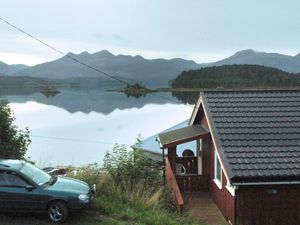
<point>131,191</point>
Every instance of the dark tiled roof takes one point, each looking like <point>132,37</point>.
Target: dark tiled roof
<point>257,132</point>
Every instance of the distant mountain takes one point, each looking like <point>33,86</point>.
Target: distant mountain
<point>155,72</point>
<point>10,69</point>
<point>279,61</point>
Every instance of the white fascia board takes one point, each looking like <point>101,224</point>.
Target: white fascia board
<point>265,183</point>
<point>213,139</point>
<point>195,111</point>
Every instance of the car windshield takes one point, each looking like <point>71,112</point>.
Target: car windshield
<point>36,174</point>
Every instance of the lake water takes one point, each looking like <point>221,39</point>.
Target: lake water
<point>78,127</point>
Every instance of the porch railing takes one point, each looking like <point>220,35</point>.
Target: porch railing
<point>173,186</point>
<point>190,163</point>
<point>192,182</point>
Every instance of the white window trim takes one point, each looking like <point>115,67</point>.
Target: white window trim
<point>200,149</point>
<point>230,188</point>
<point>217,182</point>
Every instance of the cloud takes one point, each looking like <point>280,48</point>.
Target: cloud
<point>98,35</point>
<point>119,37</point>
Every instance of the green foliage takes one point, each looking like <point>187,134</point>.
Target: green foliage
<point>136,90</point>
<point>129,203</point>
<point>130,190</point>
<point>132,166</point>
<point>236,76</point>
<point>117,213</point>
<point>13,142</point>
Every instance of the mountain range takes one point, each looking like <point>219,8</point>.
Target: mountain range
<point>152,72</point>
<point>155,72</point>
<point>284,62</point>
<point>10,69</point>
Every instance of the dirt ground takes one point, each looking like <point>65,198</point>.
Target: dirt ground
<point>80,218</point>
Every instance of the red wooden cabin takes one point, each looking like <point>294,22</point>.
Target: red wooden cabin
<point>247,155</point>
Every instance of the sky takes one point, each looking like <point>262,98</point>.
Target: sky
<point>203,31</point>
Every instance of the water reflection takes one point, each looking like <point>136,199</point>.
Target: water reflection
<point>77,128</point>
<point>93,100</point>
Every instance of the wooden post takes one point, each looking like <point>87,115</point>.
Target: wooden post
<point>172,158</point>
<point>164,163</point>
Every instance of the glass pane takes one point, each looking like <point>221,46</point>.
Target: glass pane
<point>219,170</point>
<point>2,180</point>
<point>37,175</point>
<point>14,180</point>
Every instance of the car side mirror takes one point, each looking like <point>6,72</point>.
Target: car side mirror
<point>29,187</point>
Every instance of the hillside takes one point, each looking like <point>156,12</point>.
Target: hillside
<point>10,69</point>
<point>236,76</point>
<point>280,61</point>
<point>155,72</point>
<point>21,85</point>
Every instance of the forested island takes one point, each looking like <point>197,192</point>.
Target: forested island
<point>236,76</point>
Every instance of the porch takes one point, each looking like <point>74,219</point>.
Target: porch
<point>191,193</point>
<point>187,172</point>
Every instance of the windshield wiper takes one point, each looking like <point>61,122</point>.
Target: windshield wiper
<point>51,181</point>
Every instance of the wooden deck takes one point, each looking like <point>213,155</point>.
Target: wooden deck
<point>202,207</point>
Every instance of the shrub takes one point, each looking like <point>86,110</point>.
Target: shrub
<point>132,167</point>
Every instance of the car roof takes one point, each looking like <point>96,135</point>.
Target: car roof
<point>11,164</point>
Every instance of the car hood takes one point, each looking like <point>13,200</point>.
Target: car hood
<point>69,185</point>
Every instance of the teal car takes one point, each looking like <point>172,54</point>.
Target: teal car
<point>25,187</point>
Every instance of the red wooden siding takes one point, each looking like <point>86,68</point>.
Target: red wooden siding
<point>257,205</point>
<point>230,207</point>
<point>223,198</point>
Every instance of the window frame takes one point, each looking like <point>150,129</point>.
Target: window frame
<point>217,181</point>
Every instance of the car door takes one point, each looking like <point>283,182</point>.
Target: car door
<point>18,193</point>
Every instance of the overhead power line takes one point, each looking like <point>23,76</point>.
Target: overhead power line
<point>63,53</point>
<point>80,62</point>
<point>76,140</point>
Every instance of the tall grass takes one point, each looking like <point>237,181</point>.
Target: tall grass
<point>130,190</point>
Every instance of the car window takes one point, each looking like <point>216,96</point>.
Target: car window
<point>2,180</point>
<point>11,179</point>
<point>35,174</point>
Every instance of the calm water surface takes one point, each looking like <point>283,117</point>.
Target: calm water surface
<point>78,128</point>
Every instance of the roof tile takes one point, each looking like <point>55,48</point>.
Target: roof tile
<point>258,131</point>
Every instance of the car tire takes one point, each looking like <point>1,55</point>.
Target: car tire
<point>57,212</point>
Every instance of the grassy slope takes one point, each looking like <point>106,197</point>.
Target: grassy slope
<point>129,205</point>
<point>116,212</point>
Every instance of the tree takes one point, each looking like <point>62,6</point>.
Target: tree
<point>13,141</point>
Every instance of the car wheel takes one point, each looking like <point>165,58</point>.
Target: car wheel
<point>57,212</point>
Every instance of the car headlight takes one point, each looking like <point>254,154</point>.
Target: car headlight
<point>84,197</point>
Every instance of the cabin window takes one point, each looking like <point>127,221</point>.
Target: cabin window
<point>218,171</point>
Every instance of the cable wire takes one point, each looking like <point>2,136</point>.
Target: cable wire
<point>83,63</point>
<point>63,53</point>
<point>75,140</point>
